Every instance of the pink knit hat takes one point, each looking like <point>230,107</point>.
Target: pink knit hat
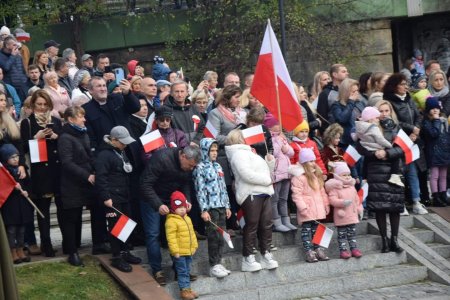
<point>306,154</point>
<point>340,168</point>
<point>270,121</point>
<point>369,113</point>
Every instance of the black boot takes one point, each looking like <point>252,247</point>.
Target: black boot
<point>48,250</point>
<point>119,263</point>
<point>394,245</point>
<point>384,244</point>
<point>75,260</point>
<point>437,200</point>
<point>443,197</point>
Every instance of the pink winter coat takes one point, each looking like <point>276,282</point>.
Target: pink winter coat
<point>282,160</point>
<point>337,193</point>
<point>311,204</point>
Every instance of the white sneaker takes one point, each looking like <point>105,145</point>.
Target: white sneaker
<point>249,264</point>
<point>395,179</point>
<point>225,269</point>
<point>267,261</point>
<point>405,212</point>
<point>419,209</point>
<point>218,272</point>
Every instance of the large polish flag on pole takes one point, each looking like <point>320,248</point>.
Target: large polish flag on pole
<point>272,84</point>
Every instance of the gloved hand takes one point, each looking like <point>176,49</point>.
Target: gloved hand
<point>347,202</point>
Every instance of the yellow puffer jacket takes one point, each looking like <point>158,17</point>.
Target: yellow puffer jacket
<point>180,235</point>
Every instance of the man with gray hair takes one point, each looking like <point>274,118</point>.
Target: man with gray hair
<point>71,58</point>
<point>167,171</point>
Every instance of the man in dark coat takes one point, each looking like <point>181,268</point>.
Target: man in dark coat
<point>12,65</point>
<point>167,171</point>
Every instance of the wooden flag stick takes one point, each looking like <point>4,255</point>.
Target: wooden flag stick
<point>117,210</point>
<point>32,204</point>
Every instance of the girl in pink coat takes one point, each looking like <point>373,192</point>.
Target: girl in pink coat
<point>309,195</point>
<point>347,208</point>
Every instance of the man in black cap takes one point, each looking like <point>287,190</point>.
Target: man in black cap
<point>52,48</point>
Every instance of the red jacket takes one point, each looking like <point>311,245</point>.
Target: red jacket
<point>297,145</point>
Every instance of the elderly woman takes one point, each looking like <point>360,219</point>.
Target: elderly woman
<point>77,178</point>
<point>385,198</point>
<point>41,125</point>
<point>438,86</point>
<point>58,95</point>
<point>254,190</point>
<point>80,94</point>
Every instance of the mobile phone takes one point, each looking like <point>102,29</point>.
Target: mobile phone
<point>49,125</point>
<point>120,75</point>
<point>108,69</point>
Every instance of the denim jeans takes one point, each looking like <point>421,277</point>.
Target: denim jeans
<point>413,181</point>
<point>183,268</point>
<point>151,222</point>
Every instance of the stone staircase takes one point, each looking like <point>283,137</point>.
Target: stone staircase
<point>296,279</point>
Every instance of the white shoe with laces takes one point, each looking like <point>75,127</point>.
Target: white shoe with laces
<point>267,261</point>
<point>419,209</point>
<point>249,264</point>
<point>225,269</point>
<point>405,212</point>
<point>218,272</point>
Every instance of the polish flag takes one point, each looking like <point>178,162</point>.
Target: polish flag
<point>210,131</point>
<point>7,184</point>
<point>226,236</point>
<point>272,76</point>
<point>172,145</point>
<point>323,236</point>
<point>38,150</point>
<point>410,149</point>
<point>351,156</point>
<point>241,218</point>
<point>363,191</point>
<point>123,228</point>
<point>152,141</point>
<point>151,124</point>
<point>23,36</point>
<point>196,120</point>
<point>254,135</point>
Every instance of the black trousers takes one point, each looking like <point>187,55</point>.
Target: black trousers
<point>215,239</point>
<point>71,228</point>
<point>112,217</point>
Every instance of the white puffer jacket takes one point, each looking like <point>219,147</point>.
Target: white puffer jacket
<point>252,173</point>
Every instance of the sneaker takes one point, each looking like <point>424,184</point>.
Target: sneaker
<point>419,209</point>
<point>405,212</point>
<point>267,261</point>
<point>356,253</point>
<point>160,278</point>
<point>396,179</point>
<point>130,258</point>
<point>225,269</point>
<point>310,256</point>
<point>320,254</point>
<point>217,271</point>
<point>345,254</point>
<point>249,264</point>
<point>273,248</point>
<point>120,264</point>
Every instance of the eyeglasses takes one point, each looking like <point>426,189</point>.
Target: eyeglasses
<point>403,84</point>
<point>165,119</point>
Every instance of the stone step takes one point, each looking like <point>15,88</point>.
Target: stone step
<point>441,249</point>
<point>308,280</point>
<point>406,221</point>
<point>425,235</point>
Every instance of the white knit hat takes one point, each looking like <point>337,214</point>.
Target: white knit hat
<point>5,30</point>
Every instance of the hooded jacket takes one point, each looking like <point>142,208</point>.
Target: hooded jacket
<point>251,172</point>
<point>371,136</point>
<point>209,180</point>
<point>282,160</point>
<point>131,65</point>
<point>160,72</point>
<point>311,204</point>
<point>436,135</point>
<point>337,193</point>
<point>180,235</point>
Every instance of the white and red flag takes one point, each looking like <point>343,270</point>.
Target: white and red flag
<point>7,184</point>
<point>410,149</point>
<point>172,145</point>
<point>151,124</point>
<point>351,156</point>
<point>23,36</point>
<point>323,236</point>
<point>272,77</point>
<point>241,218</point>
<point>254,135</point>
<point>363,191</point>
<point>152,141</point>
<point>226,236</point>
<point>38,150</point>
<point>210,131</point>
<point>123,228</point>
<point>196,120</point>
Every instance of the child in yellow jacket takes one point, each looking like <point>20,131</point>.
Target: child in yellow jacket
<point>182,242</point>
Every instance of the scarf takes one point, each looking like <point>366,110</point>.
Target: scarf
<point>440,93</point>
<point>346,182</point>
<point>43,118</point>
<point>235,116</point>
<point>143,119</point>
<point>78,128</point>
<point>401,97</point>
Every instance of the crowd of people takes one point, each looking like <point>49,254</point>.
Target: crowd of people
<point>89,122</point>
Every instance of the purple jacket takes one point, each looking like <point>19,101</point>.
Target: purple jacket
<point>282,160</point>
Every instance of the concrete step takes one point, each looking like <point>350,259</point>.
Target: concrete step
<point>299,280</point>
<point>441,249</point>
<point>425,235</point>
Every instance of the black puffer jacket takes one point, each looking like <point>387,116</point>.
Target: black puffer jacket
<point>436,138</point>
<point>163,176</point>
<point>383,196</point>
<point>76,167</point>
<point>111,181</point>
<point>406,110</point>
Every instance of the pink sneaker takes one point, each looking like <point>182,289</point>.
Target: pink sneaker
<point>345,254</point>
<point>356,253</point>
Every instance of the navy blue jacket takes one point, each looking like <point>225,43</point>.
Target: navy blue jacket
<point>437,142</point>
<point>13,70</point>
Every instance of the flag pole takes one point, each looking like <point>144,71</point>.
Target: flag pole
<point>32,204</point>
<point>275,75</point>
<point>117,210</point>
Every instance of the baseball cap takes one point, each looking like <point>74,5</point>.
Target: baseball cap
<point>121,133</point>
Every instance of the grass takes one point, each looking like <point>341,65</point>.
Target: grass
<point>59,280</point>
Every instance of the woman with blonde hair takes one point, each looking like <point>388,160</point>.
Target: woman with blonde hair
<point>58,95</point>
<point>321,79</point>
<point>248,101</point>
<point>377,82</point>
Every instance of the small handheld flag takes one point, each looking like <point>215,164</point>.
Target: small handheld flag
<point>224,234</point>
<point>351,156</point>
<point>410,149</point>
<point>38,150</point>
<point>241,218</point>
<point>152,141</point>
<point>7,184</point>
<point>323,236</point>
<point>196,120</point>
<point>210,131</point>
<point>253,135</point>
<point>363,191</point>
<point>123,228</point>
